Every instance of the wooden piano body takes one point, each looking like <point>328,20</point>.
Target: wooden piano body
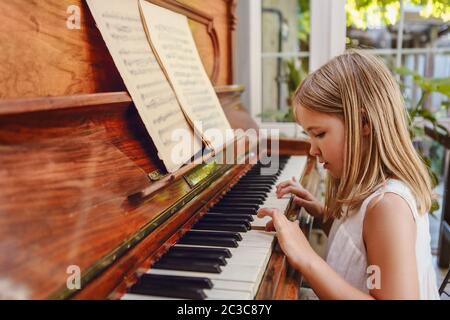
<point>73,150</point>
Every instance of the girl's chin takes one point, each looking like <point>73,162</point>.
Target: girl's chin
<point>331,173</point>
<point>334,175</point>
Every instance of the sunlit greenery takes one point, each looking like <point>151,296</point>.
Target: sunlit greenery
<point>304,23</point>
<point>419,111</point>
<point>364,14</point>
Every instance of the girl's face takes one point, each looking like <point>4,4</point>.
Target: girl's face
<point>327,138</point>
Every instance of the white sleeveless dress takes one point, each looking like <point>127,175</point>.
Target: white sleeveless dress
<point>347,255</point>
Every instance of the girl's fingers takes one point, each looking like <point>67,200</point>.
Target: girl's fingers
<point>281,189</point>
<point>284,184</point>
<point>301,202</point>
<point>296,191</point>
<point>269,226</point>
<point>277,217</point>
<point>291,182</point>
<point>266,212</point>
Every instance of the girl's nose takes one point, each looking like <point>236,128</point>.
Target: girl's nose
<point>313,150</point>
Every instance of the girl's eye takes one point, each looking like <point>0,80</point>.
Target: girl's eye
<point>320,135</point>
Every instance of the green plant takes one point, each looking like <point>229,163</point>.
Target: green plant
<point>419,112</point>
<point>294,74</point>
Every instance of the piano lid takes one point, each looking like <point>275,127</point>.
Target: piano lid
<point>46,58</point>
<point>73,149</point>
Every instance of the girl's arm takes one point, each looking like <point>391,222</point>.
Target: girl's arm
<point>389,234</point>
<point>387,248</point>
<point>325,282</point>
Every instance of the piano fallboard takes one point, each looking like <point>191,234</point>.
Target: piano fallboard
<point>83,190</point>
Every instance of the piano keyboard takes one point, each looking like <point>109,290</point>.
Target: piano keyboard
<point>225,254</point>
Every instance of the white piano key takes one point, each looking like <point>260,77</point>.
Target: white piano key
<point>217,294</point>
<point>244,270</point>
<point>257,238</point>
<point>211,294</point>
<point>233,285</point>
<point>248,254</point>
<point>249,258</point>
<point>233,277</point>
<point>260,223</point>
<point>229,272</point>
<point>241,277</point>
<point>293,168</point>
<point>134,296</point>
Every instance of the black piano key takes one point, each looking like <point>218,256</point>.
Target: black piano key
<point>250,187</point>
<point>247,217</point>
<point>221,227</point>
<point>205,257</point>
<point>229,209</point>
<point>226,205</point>
<point>187,265</point>
<point>192,282</point>
<point>256,183</point>
<point>258,178</point>
<point>242,199</point>
<point>267,178</point>
<point>236,210</point>
<point>248,192</point>
<point>170,292</point>
<point>222,234</point>
<point>262,196</point>
<point>223,251</point>
<point>209,241</point>
<point>246,196</point>
<point>225,220</point>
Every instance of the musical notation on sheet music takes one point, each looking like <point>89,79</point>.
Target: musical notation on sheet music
<point>173,44</point>
<point>120,23</point>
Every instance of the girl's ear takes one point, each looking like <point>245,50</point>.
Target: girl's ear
<point>366,125</point>
<point>366,129</point>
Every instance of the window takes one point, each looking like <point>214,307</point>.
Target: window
<point>285,55</point>
<point>414,41</point>
<point>405,35</point>
<point>274,37</point>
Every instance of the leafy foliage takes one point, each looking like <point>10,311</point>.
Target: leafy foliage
<point>419,111</point>
<point>364,13</point>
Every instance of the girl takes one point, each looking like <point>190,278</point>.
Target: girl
<point>378,189</point>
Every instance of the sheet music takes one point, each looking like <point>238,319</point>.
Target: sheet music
<point>120,24</point>
<point>173,43</point>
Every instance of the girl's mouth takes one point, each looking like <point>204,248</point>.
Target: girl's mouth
<point>325,165</point>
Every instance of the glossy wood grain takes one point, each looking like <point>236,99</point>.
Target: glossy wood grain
<point>40,56</point>
<point>74,151</point>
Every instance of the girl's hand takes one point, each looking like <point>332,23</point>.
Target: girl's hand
<point>290,237</point>
<point>302,197</point>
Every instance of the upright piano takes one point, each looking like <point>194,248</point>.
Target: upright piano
<point>87,210</point>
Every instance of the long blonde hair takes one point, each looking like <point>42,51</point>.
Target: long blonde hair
<point>359,87</point>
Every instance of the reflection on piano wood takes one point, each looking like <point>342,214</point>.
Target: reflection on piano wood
<point>224,255</point>
<point>74,152</point>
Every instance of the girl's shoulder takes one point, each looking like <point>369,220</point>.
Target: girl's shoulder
<point>383,193</point>
<point>393,186</point>
<point>399,187</point>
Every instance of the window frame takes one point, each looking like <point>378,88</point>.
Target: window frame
<point>327,39</point>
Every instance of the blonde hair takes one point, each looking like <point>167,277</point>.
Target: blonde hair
<point>358,87</point>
